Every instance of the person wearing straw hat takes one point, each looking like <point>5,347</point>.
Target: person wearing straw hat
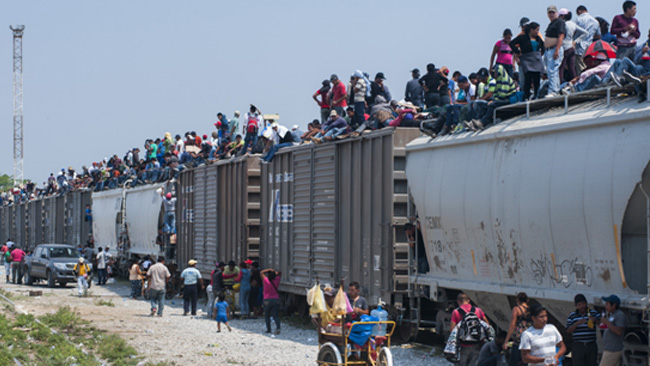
<point>191,280</point>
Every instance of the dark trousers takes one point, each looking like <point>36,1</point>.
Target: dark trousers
<point>17,272</point>
<point>490,361</point>
<point>489,112</point>
<point>271,309</point>
<point>252,298</point>
<point>531,79</point>
<point>515,355</point>
<point>568,67</point>
<point>431,99</point>
<point>359,114</point>
<point>584,353</point>
<point>101,276</point>
<point>251,138</point>
<point>190,295</point>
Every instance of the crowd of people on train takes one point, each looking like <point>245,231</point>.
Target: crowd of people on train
<point>577,52</point>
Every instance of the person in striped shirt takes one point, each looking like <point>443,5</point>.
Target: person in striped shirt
<point>505,89</point>
<point>582,323</point>
<point>542,343</point>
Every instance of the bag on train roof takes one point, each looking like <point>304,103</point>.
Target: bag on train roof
<point>471,330</point>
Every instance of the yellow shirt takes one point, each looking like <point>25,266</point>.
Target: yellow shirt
<point>81,270</point>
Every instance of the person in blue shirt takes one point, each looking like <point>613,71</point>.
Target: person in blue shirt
<point>191,280</point>
<point>221,313</point>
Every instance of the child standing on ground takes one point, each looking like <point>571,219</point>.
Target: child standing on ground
<point>221,313</point>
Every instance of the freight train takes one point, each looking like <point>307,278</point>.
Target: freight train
<point>551,201</point>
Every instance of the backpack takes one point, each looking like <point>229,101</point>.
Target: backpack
<point>252,125</point>
<point>471,330</point>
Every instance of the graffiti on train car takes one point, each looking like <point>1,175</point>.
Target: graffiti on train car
<point>564,273</point>
<point>281,212</point>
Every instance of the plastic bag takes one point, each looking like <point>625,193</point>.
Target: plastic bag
<point>310,295</point>
<point>318,301</point>
<point>341,304</point>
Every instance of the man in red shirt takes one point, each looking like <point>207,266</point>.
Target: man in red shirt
<point>17,256</point>
<point>324,102</point>
<point>469,351</point>
<point>339,95</point>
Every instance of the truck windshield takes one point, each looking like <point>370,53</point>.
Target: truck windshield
<point>62,253</point>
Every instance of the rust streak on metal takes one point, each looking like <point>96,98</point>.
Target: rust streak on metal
<point>618,256</point>
<point>554,266</point>
<point>474,262</point>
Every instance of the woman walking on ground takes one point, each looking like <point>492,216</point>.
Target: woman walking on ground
<point>271,281</point>
<point>542,343</point>
<point>244,288</point>
<point>134,276</point>
<point>221,312</point>
<point>519,322</point>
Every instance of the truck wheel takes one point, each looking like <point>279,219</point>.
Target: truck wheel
<point>63,284</point>
<point>29,280</point>
<point>50,279</point>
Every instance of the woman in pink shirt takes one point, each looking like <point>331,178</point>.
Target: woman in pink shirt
<point>271,281</point>
<point>503,52</point>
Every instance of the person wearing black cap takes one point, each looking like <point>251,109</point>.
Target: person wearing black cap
<point>378,87</point>
<point>582,324</point>
<point>431,83</point>
<point>613,336</point>
<point>414,92</point>
<point>324,102</point>
<point>339,95</point>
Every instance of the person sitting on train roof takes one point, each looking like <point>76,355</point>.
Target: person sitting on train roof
<point>313,128</point>
<point>591,77</point>
<point>281,137</point>
<point>334,127</point>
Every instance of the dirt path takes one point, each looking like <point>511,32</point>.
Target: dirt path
<point>188,340</point>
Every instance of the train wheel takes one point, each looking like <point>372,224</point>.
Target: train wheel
<point>385,357</point>
<point>329,355</point>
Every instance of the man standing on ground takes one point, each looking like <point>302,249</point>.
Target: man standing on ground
<point>414,92</point>
<point>191,280</point>
<point>101,266</point>
<point>469,352</point>
<point>626,29</point>
<point>583,323</point>
<point>613,336</point>
<point>158,276</point>
<point>216,286</point>
<point>554,52</point>
<point>17,258</point>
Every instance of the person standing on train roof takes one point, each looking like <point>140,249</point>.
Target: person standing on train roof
<point>582,324</point>
<point>613,336</point>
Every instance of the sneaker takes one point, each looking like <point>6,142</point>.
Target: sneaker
<point>551,95</point>
<point>617,80</point>
<point>631,78</point>
<point>153,311</point>
<point>277,331</point>
<point>567,90</point>
<point>470,125</point>
<point>478,124</point>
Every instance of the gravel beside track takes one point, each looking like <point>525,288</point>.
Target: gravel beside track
<point>187,340</point>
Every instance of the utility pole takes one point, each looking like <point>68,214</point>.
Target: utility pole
<point>18,103</point>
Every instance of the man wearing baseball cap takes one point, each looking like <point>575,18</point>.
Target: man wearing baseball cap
<point>378,87</point>
<point>191,280</point>
<point>554,52</point>
<point>414,92</point>
<point>613,336</point>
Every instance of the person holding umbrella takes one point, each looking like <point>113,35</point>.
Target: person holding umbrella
<point>597,67</point>
<point>623,70</point>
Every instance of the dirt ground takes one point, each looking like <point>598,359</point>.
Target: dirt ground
<point>186,340</point>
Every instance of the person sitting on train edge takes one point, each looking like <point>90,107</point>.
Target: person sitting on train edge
<point>421,259</point>
<point>281,137</point>
<point>582,324</point>
<point>469,352</point>
<point>358,302</point>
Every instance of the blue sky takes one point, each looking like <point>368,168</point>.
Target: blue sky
<point>100,77</point>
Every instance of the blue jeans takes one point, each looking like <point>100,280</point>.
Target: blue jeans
<point>359,111</point>
<point>251,138</point>
<point>553,69</point>
<point>244,293</point>
<point>335,132</point>
<point>101,276</point>
<point>589,83</point>
<point>477,109</point>
<point>625,52</point>
<point>157,299</point>
<point>487,117</point>
<point>170,222</point>
<point>269,156</point>
<point>619,66</point>
<point>453,114</point>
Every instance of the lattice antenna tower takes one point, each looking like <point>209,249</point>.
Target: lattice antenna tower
<point>18,31</point>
